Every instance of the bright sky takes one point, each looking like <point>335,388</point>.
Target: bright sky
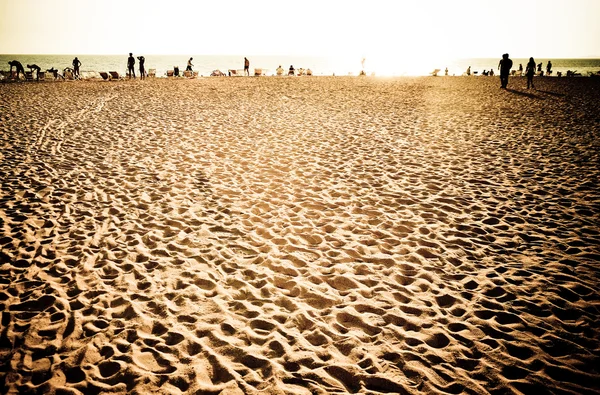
<point>407,28</point>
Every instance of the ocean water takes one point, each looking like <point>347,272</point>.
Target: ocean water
<point>205,64</point>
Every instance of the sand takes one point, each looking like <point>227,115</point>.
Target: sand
<point>300,236</point>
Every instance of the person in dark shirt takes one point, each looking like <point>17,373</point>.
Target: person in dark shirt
<point>530,72</point>
<point>37,69</point>
<point>76,64</point>
<point>505,65</point>
<point>131,65</point>
<point>247,66</point>
<point>142,60</point>
<point>17,65</point>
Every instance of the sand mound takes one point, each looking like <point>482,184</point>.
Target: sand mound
<point>300,235</point>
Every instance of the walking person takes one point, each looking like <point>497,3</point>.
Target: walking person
<point>76,64</point>
<point>505,65</point>
<point>189,65</point>
<point>131,65</point>
<point>549,68</point>
<point>530,72</point>
<point>247,66</point>
<point>141,59</point>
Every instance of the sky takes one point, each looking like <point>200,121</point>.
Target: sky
<point>370,28</point>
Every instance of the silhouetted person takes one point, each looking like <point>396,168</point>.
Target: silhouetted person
<point>189,65</point>
<point>131,65</point>
<point>539,67</point>
<point>37,69</point>
<point>17,65</point>
<point>142,60</point>
<point>176,71</point>
<point>530,72</point>
<point>247,66</point>
<point>469,70</point>
<point>446,71</point>
<point>505,65</point>
<point>549,68</point>
<point>53,71</point>
<point>291,71</point>
<point>492,72</point>
<point>521,68</point>
<point>76,64</point>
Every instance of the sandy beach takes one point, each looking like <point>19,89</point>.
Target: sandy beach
<point>433,235</point>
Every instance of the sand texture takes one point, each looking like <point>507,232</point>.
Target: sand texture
<point>300,236</point>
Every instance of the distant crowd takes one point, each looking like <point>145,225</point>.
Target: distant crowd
<point>504,66</point>
<point>74,71</point>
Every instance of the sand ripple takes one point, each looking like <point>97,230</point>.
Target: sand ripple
<point>298,235</point>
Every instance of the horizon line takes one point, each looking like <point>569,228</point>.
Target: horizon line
<point>286,55</point>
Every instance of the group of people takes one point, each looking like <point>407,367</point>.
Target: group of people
<point>505,67</point>
<point>292,71</point>
<point>19,69</point>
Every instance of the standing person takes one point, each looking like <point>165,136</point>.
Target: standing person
<point>247,66</point>
<point>469,70</point>
<point>76,64</point>
<point>131,65</point>
<point>549,68</point>
<point>530,72</point>
<point>505,65</point>
<point>189,65</point>
<point>17,65</point>
<point>142,70</point>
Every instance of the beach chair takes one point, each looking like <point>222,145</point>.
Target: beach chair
<point>114,75</point>
<point>152,73</point>
<point>234,73</point>
<point>104,75</point>
<point>170,73</point>
<point>258,72</point>
<point>68,75</point>
<point>28,76</point>
<point>435,72</point>
<point>41,75</point>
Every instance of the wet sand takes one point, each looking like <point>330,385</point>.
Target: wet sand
<point>300,236</point>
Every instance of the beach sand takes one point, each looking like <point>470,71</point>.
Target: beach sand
<point>300,236</point>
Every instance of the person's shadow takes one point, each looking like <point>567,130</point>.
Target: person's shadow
<point>553,93</point>
<point>530,95</point>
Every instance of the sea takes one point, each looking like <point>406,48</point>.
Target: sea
<point>319,65</point>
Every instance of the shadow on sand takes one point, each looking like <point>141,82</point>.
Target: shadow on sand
<point>530,95</point>
<point>553,93</point>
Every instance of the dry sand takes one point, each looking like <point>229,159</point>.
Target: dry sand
<point>300,235</point>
